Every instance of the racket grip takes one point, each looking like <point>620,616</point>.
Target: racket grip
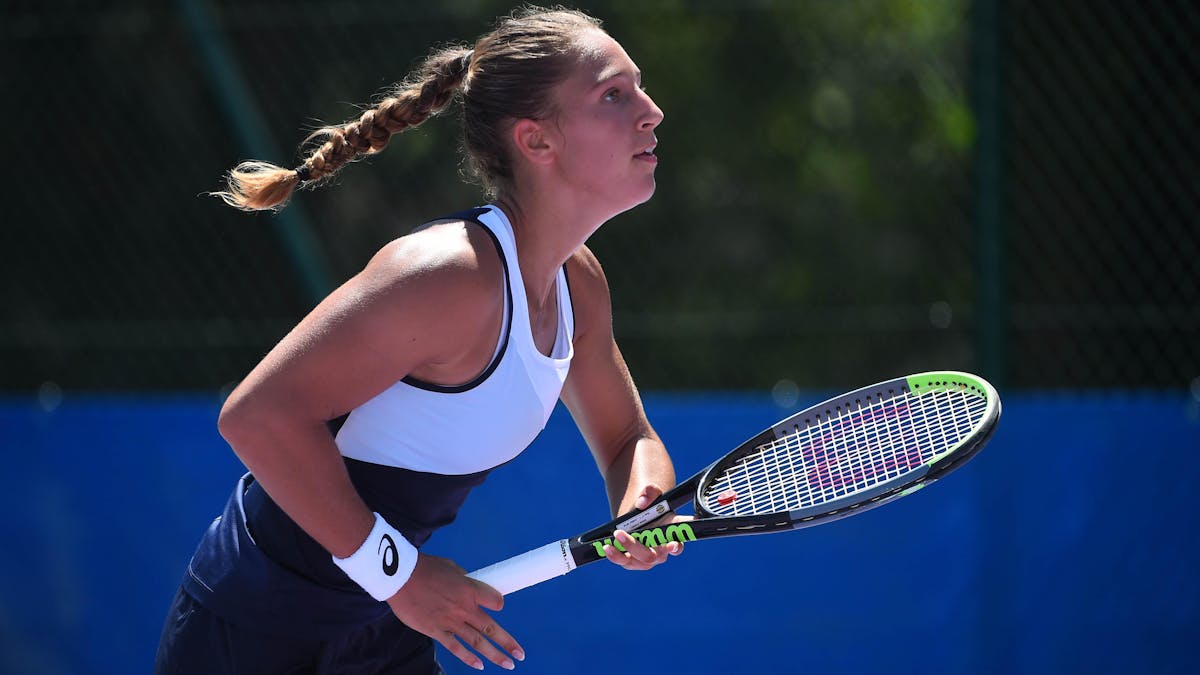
<point>527,569</point>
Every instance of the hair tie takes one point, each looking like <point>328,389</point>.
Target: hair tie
<point>302,172</point>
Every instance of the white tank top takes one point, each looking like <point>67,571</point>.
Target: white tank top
<point>484,423</point>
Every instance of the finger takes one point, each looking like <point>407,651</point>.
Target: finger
<point>480,643</point>
<point>616,557</point>
<point>624,560</point>
<point>661,553</point>
<point>452,645</point>
<point>488,597</point>
<point>637,550</point>
<point>660,556</point>
<point>647,497</point>
<point>496,633</point>
<point>621,558</point>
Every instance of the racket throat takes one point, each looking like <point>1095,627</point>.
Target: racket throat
<point>639,520</point>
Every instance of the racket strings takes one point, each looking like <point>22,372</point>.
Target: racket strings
<point>849,452</point>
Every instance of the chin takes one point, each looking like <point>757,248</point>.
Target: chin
<point>647,193</point>
<point>620,202</point>
<point>637,201</point>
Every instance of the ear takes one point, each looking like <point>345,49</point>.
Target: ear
<point>533,141</point>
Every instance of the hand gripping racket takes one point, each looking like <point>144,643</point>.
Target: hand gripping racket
<point>836,459</point>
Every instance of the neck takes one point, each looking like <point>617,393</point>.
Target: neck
<point>546,235</point>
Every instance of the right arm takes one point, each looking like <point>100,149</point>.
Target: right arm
<point>426,304</point>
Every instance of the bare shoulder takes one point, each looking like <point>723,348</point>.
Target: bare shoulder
<point>445,278</point>
<point>424,305</point>
<point>452,252</point>
<point>589,293</point>
<point>585,264</point>
<point>451,266</point>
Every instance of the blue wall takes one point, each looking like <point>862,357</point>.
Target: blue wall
<point>1067,545</point>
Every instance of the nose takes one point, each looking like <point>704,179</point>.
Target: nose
<point>652,117</point>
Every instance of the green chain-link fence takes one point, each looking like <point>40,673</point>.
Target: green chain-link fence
<point>847,190</point>
<point>1102,193</point>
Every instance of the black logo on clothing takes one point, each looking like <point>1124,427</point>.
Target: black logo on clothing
<point>391,559</point>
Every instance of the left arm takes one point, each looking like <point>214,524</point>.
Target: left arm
<point>604,402</point>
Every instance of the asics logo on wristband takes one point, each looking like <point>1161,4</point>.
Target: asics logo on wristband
<point>391,560</point>
<point>382,563</point>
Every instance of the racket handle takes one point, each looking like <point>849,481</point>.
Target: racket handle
<point>527,569</point>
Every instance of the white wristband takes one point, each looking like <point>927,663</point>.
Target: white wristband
<point>383,563</point>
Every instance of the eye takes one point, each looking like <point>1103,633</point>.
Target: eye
<point>612,95</point>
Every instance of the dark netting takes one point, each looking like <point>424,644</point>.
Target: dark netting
<point>847,190</point>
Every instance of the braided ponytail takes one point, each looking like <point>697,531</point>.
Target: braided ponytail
<point>510,75</point>
<point>257,186</point>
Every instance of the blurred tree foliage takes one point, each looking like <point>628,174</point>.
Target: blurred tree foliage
<point>811,176</point>
<point>812,224</point>
<point>813,179</point>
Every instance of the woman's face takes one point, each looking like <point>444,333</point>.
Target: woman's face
<point>605,126</point>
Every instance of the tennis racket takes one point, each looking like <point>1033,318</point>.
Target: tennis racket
<point>836,459</point>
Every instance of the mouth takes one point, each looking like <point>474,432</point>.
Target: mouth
<point>647,154</point>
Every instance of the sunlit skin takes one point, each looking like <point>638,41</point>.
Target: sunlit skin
<point>605,125</point>
<point>593,159</point>
<point>584,164</point>
<point>430,305</point>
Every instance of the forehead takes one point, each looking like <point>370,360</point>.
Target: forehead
<point>600,58</point>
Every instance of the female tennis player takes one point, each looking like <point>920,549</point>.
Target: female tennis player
<point>364,429</point>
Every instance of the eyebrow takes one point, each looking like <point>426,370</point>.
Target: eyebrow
<point>607,76</point>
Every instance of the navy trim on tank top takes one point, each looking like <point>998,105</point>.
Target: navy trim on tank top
<point>256,567</point>
<point>473,216</point>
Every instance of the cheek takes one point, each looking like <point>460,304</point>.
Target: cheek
<point>596,140</point>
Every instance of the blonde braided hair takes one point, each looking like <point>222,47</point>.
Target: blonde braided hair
<point>507,76</point>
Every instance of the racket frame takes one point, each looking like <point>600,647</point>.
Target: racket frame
<point>708,525</point>
<point>560,557</point>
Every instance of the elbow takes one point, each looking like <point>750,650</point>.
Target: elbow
<point>230,421</point>
<point>247,428</point>
<point>259,427</point>
<point>238,421</point>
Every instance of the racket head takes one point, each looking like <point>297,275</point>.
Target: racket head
<point>855,451</point>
